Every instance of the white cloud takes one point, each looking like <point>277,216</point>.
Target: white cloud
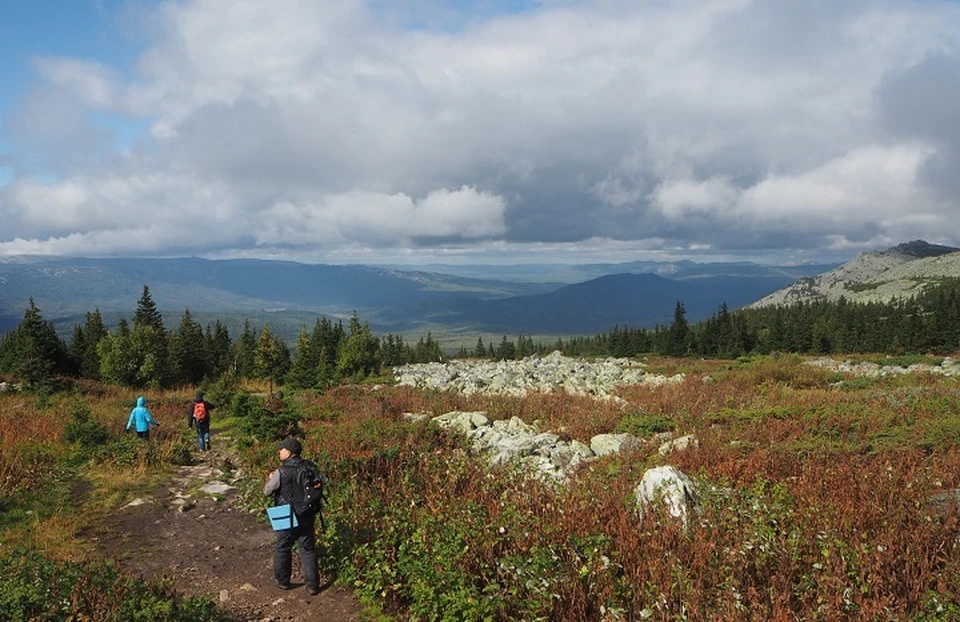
<point>873,185</point>
<point>94,83</point>
<point>296,123</point>
<point>678,199</point>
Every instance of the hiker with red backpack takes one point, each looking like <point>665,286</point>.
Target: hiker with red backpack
<point>199,415</point>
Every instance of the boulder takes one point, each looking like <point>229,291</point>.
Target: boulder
<point>462,421</point>
<point>679,444</point>
<point>605,444</point>
<point>513,441</point>
<point>668,486</point>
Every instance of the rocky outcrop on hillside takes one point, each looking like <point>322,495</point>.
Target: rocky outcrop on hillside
<point>947,367</point>
<point>548,457</point>
<point>899,272</point>
<point>531,374</point>
<point>513,441</point>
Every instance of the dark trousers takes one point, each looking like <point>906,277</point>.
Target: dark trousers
<point>145,435</point>
<point>304,536</point>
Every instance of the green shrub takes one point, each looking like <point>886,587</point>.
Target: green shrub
<point>644,425</point>
<point>262,424</point>
<point>84,430</point>
<point>35,588</point>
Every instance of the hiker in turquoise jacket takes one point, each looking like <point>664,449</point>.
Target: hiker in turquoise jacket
<point>142,418</point>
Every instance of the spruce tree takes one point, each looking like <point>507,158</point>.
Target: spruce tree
<point>271,359</point>
<point>147,313</point>
<point>358,356</point>
<point>243,352</point>
<point>150,341</point>
<point>188,354</point>
<point>303,370</point>
<point>218,347</point>
<point>33,351</point>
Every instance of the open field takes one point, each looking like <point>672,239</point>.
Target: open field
<point>822,495</point>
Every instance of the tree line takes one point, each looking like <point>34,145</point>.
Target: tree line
<point>928,322</point>
<point>142,352</point>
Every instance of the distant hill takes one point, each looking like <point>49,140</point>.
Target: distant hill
<point>875,276</point>
<point>641,300</point>
<point>283,292</point>
<point>289,295</point>
<point>568,274</point>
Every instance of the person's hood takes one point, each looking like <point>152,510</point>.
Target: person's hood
<point>141,401</point>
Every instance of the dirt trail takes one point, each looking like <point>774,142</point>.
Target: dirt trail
<point>193,531</point>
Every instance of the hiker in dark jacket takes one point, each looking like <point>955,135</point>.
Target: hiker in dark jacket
<point>280,485</point>
<point>202,424</point>
<point>142,419</point>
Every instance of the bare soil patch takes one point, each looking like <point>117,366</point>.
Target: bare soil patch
<point>208,545</point>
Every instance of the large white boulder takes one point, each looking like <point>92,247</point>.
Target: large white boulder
<point>668,486</point>
<point>604,444</point>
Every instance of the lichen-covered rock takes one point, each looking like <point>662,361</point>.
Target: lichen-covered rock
<point>531,374</point>
<point>679,444</point>
<point>513,441</point>
<point>668,486</point>
<point>605,444</point>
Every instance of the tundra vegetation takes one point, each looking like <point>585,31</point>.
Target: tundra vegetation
<point>823,494</point>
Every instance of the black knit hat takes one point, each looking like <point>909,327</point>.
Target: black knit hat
<point>292,445</point>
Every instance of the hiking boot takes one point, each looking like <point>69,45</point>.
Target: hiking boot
<point>284,585</point>
<point>314,590</point>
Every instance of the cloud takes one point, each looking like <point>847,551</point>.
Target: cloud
<point>721,124</point>
<point>131,214</point>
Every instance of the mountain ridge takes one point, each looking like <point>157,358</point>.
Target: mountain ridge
<point>290,294</point>
<point>874,276</point>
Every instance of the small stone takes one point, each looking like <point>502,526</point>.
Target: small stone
<point>224,596</point>
<point>217,488</point>
<point>247,587</point>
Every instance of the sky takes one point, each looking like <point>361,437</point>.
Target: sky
<point>491,131</point>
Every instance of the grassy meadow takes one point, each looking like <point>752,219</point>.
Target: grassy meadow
<point>824,496</point>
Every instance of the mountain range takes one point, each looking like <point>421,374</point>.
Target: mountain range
<point>444,299</point>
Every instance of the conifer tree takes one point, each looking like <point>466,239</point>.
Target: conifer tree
<point>243,352</point>
<point>218,349</point>
<point>271,359</point>
<point>303,370</point>
<point>147,313</point>
<point>188,354</point>
<point>678,331</point>
<point>93,332</point>
<point>358,356</point>
<point>33,351</point>
<point>149,341</point>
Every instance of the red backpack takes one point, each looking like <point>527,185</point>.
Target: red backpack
<point>200,411</point>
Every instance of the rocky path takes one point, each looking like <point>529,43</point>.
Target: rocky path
<point>193,531</point>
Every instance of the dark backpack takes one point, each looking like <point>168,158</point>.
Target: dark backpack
<point>304,495</point>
